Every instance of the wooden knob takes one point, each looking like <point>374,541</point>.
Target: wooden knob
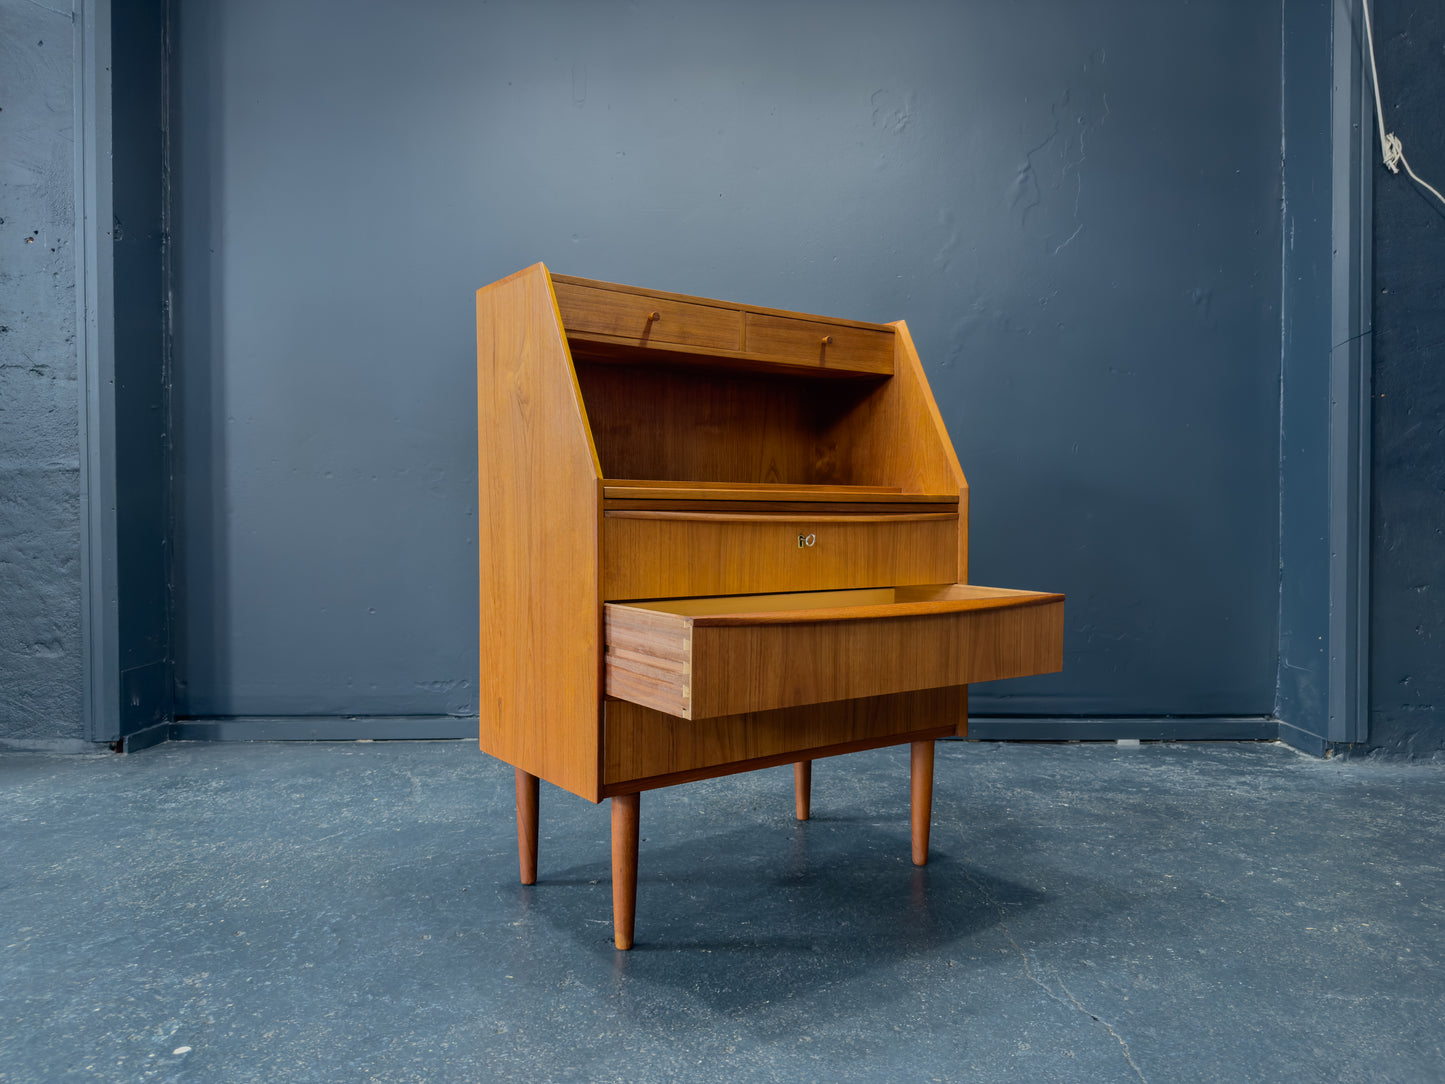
<point>654,316</point>
<point>827,339</point>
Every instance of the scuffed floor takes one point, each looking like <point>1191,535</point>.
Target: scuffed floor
<point>351,912</point>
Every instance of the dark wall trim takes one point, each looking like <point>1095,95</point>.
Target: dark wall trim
<point>443,727</point>
<point>95,347</point>
<point>122,365</point>
<point>323,728</point>
<point>1303,740</point>
<point>1350,359</point>
<point>1183,728</point>
<point>1326,126</point>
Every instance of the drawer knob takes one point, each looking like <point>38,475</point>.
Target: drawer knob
<point>653,317</point>
<point>827,339</point>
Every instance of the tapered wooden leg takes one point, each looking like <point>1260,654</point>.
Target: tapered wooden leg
<point>921,774</point>
<point>625,808</point>
<point>527,826</point>
<point>802,788</point>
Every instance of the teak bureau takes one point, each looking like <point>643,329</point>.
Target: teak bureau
<point>715,538</point>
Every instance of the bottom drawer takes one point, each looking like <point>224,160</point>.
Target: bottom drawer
<point>643,748</point>
<point>704,657</point>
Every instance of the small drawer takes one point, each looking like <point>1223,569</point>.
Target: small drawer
<point>661,554</point>
<point>643,320</point>
<point>828,346</point>
<point>706,657</point>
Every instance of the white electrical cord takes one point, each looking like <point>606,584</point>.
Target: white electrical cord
<point>1390,147</point>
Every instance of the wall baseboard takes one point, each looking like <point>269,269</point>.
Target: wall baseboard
<point>449,727</point>
<point>1315,745</point>
<point>324,728</point>
<point>146,737</point>
<point>68,746</point>
<point>1166,728</point>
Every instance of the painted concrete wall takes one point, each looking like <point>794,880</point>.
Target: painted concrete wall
<point>1076,207</point>
<point>40,645</point>
<point>1407,626</point>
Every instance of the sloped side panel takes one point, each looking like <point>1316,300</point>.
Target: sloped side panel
<point>540,695</point>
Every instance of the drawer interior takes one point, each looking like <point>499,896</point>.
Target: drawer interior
<point>802,607</point>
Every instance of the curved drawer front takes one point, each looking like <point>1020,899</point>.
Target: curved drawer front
<point>671,554</point>
<point>701,658</point>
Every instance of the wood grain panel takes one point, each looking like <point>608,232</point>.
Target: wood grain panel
<point>925,460</point>
<point>658,423</point>
<point>649,659</point>
<point>617,287</point>
<point>897,437</point>
<point>596,347</point>
<point>736,668</point>
<point>815,342</point>
<point>642,744</point>
<point>644,319</point>
<point>539,491</point>
<point>664,554</point>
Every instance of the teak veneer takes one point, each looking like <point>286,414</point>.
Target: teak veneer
<point>716,538</point>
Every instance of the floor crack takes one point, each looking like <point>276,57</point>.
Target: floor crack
<point>1106,1025</point>
<point>1072,1003</point>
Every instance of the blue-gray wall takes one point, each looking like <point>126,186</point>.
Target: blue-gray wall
<point>1075,206</point>
<point>1407,627</point>
<point>40,639</point>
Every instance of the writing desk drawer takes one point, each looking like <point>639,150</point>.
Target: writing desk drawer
<point>662,554</point>
<point>704,657</point>
<point>825,345</point>
<point>643,320</point>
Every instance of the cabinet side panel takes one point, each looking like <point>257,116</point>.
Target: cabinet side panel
<point>896,437</point>
<point>540,694</point>
<point>926,455</point>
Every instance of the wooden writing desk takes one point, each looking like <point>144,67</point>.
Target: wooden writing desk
<point>716,538</point>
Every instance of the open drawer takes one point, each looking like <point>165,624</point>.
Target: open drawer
<point>697,658</point>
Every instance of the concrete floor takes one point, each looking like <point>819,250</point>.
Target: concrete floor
<point>351,912</point>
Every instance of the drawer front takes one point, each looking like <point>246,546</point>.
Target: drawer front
<point>645,320</point>
<point>672,554</point>
<point>642,745</point>
<point>703,658</point>
<point>825,345</point>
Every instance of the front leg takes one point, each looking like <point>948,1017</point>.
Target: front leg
<point>921,798</point>
<point>625,819</point>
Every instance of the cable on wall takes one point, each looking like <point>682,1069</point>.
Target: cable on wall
<point>1390,148</point>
